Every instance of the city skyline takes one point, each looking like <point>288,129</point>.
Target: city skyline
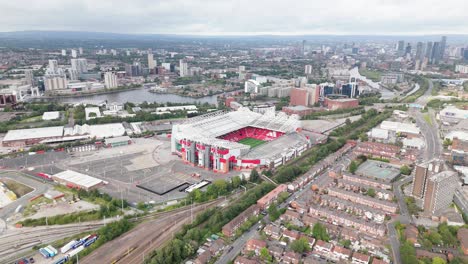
<point>240,18</point>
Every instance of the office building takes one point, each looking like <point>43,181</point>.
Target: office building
<point>166,66</point>
<point>133,70</point>
<point>80,65</point>
<point>401,47</point>
<point>308,69</point>
<point>29,76</point>
<point>429,51</point>
<point>435,58</point>
<point>408,49</point>
<point>53,66</point>
<point>151,61</point>
<point>419,52</point>
<point>183,68</point>
<point>74,54</point>
<point>443,44</point>
<point>439,192</point>
<point>73,74</point>
<point>461,68</point>
<point>110,80</point>
<point>422,173</point>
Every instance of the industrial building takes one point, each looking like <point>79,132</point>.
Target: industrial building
<point>73,179</point>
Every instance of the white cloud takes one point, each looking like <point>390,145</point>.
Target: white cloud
<point>238,16</point>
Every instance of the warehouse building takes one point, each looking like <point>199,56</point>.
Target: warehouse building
<point>24,137</point>
<point>118,141</point>
<point>73,179</point>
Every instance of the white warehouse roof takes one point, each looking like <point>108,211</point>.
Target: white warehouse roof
<point>79,179</point>
<point>51,115</point>
<point>400,127</point>
<point>42,132</point>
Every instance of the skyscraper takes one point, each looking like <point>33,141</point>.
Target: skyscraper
<point>401,47</point>
<point>435,58</point>
<point>29,76</point>
<point>439,192</point>
<point>80,50</point>
<point>151,61</point>
<point>80,65</point>
<point>110,80</point>
<point>429,51</point>
<point>422,173</point>
<point>53,66</point>
<point>73,53</point>
<point>183,68</point>
<point>308,69</point>
<point>443,43</point>
<point>64,52</point>
<point>419,51</point>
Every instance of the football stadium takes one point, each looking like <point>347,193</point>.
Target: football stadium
<point>222,141</point>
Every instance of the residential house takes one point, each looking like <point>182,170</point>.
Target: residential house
<point>462,236</point>
<point>323,247</point>
<point>291,234</point>
<point>359,258</point>
<point>255,245</point>
<point>203,258</point>
<point>276,252</point>
<point>272,231</point>
<point>291,257</point>
<point>341,252</point>
<point>230,228</point>
<point>244,260</point>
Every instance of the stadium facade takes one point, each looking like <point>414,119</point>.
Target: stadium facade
<point>222,141</point>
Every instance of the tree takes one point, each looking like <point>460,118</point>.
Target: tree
<point>348,121</point>
<point>273,212</point>
<point>353,167</point>
<point>438,260</point>
<point>346,243</point>
<point>300,245</point>
<point>265,255</point>
<point>408,253</point>
<point>405,170</point>
<point>320,232</point>
<point>254,176</point>
<point>236,182</point>
<point>371,192</point>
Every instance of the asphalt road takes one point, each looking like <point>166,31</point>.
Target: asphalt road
<point>321,180</point>
<point>404,218</point>
<point>37,185</point>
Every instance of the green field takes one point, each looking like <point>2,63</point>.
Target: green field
<point>252,142</point>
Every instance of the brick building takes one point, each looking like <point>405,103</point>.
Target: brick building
<point>343,103</point>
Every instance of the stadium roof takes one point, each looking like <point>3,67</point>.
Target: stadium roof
<point>43,132</point>
<point>206,128</point>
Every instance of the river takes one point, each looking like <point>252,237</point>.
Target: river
<point>386,94</point>
<point>135,96</point>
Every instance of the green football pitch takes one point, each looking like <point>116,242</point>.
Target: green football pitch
<point>252,142</point>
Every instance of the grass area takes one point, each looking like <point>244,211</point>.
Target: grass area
<point>29,208</point>
<point>371,74</point>
<point>16,187</point>
<point>427,118</point>
<point>31,119</point>
<point>252,142</point>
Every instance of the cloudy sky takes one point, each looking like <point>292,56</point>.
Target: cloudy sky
<point>229,17</point>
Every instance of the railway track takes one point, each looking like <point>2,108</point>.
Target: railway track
<point>155,230</point>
